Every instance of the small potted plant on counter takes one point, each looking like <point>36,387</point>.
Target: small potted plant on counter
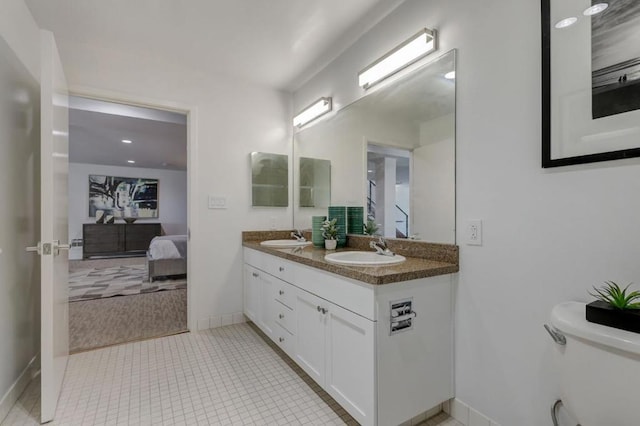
<point>370,228</point>
<point>330,234</point>
<point>615,307</point>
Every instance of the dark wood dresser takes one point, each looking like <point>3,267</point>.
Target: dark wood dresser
<point>117,238</point>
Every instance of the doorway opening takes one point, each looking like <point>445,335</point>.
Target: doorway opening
<point>389,190</point>
<point>128,218</point>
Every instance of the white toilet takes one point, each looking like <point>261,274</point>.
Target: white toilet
<point>598,368</point>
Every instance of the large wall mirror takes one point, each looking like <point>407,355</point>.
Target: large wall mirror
<point>392,152</point>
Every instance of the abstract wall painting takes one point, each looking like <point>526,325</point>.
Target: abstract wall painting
<point>123,197</point>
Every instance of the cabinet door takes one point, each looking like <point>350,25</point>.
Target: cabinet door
<point>266,318</point>
<point>102,239</point>
<point>310,334</point>
<point>138,236</point>
<point>350,364</point>
<point>252,293</point>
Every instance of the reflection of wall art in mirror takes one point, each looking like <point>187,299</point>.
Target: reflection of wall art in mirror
<point>591,88</point>
<point>269,180</point>
<point>123,197</point>
<point>315,182</point>
<point>414,114</point>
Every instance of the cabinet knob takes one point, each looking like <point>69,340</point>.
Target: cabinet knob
<point>324,310</point>
<point>281,339</point>
<point>254,274</point>
<point>319,308</point>
<point>281,292</point>
<point>281,269</point>
<point>281,316</point>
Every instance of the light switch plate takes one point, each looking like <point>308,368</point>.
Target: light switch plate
<point>474,233</point>
<point>217,202</point>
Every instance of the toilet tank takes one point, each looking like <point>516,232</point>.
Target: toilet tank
<point>598,368</point>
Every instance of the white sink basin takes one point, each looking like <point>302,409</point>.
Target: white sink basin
<point>285,243</point>
<point>363,258</point>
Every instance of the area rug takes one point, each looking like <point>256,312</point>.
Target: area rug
<point>123,280</point>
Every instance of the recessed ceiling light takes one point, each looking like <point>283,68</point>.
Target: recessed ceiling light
<point>126,141</point>
<point>450,75</point>
<point>595,9</point>
<point>567,22</point>
<point>131,162</point>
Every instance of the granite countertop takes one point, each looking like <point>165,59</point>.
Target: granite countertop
<point>419,263</point>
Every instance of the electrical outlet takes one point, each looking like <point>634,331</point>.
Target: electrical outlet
<point>474,233</point>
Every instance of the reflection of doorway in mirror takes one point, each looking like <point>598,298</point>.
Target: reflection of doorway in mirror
<point>389,189</point>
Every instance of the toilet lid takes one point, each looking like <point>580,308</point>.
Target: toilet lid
<point>569,318</point>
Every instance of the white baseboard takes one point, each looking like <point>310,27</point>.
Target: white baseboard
<point>467,415</point>
<point>16,389</point>
<point>221,321</point>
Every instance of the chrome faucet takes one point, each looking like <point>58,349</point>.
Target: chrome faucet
<point>297,234</point>
<point>381,247</point>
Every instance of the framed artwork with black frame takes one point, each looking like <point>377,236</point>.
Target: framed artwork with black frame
<point>590,81</point>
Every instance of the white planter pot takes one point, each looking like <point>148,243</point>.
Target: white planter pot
<point>330,244</point>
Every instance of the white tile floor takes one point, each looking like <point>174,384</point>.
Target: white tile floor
<point>224,376</point>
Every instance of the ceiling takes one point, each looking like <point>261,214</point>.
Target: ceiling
<point>275,43</point>
<point>97,128</point>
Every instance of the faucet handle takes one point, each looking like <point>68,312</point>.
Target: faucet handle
<point>297,234</point>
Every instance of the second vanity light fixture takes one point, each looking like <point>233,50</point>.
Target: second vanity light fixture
<point>408,52</point>
<point>313,111</point>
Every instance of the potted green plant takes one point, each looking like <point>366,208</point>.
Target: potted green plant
<point>370,228</point>
<point>330,234</point>
<point>615,307</point>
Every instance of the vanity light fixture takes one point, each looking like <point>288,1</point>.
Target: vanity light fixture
<point>313,111</point>
<point>595,9</point>
<point>451,75</point>
<point>131,162</point>
<point>126,141</point>
<point>405,54</point>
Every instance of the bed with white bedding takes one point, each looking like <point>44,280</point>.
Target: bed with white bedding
<point>167,256</point>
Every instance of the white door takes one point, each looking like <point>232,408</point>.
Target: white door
<point>54,169</point>
<point>252,293</point>
<point>350,363</point>
<point>310,330</point>
<point>267,299</point>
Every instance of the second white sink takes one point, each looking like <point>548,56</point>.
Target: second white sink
<point>285,243</point>
<point>363,258</point>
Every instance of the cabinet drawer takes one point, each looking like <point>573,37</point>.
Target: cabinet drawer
<point>285,317</point>
<point>254,258</point>
<point>279,268</point>
<point>285,294</point>
<point>284,339</point>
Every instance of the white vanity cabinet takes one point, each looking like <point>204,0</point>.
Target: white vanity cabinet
<point>339,331</point>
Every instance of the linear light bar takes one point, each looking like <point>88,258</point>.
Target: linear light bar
<point>315,110</point>
<point>413,49</point>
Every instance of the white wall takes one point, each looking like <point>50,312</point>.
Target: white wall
<point>549,235</point>
<point>231,119</point>
<point>172,198</point>
<point>20,205</point>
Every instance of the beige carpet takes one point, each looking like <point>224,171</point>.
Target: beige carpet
<point>103,322</point>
